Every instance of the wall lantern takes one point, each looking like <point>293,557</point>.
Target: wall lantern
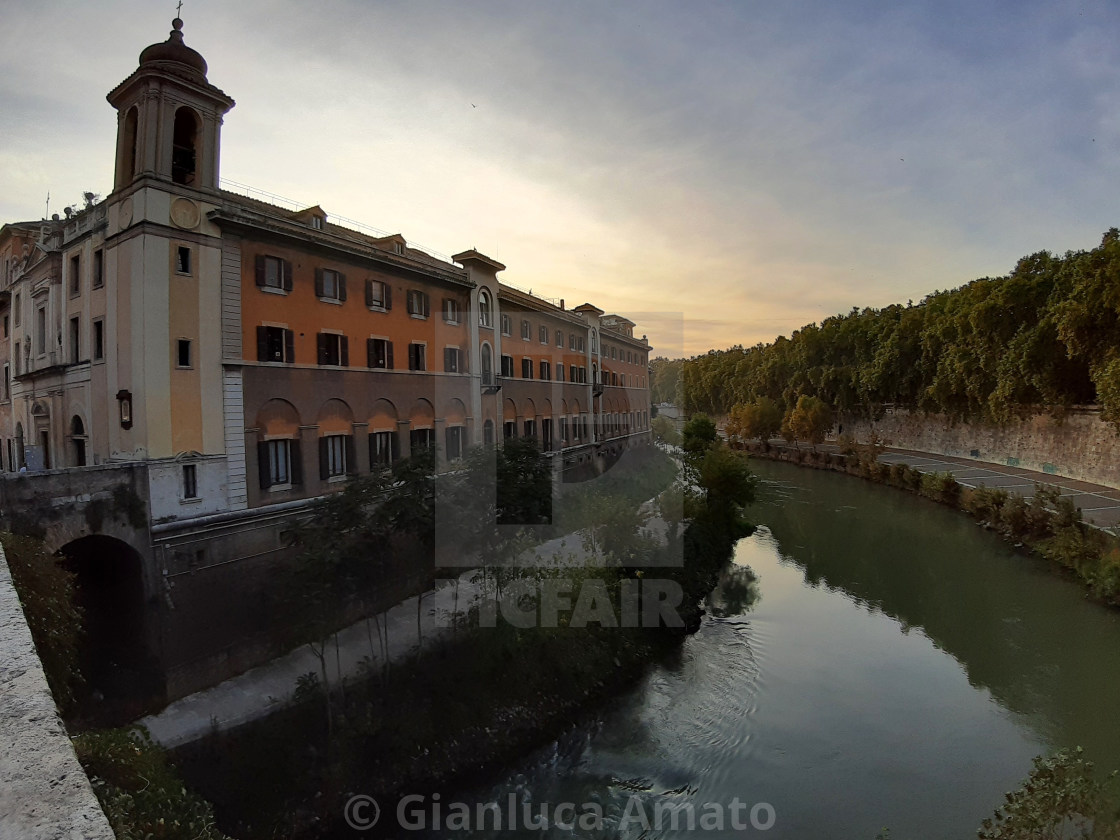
<point>125,400</point>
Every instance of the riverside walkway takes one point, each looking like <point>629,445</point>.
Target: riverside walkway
<point>1099,505</point>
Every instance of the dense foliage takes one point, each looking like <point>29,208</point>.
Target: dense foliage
<point>1047,334</point>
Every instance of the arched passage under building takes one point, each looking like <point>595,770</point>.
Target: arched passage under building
<point>123,677</point>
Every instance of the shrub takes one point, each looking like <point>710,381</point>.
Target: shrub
<point>941,487</point>
<point>1060,798</point>
<point>986,503</point>
<point>140,792</point>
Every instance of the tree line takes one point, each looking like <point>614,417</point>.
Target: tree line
<point>1044,337</point>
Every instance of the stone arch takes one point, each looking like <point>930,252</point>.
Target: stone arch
<point>383,417</point>
<point>422,415</point>
<point>116,655</point>
<point>335,418</point>
<point>278,418</point>
<point>456,413</point>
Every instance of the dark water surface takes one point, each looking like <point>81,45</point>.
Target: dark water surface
<point>893,666</point>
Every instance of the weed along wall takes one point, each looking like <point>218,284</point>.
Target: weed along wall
<point>1078,445</point>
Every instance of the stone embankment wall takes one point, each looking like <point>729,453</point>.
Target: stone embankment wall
<point>44,792</point>
<point>1079,445</point>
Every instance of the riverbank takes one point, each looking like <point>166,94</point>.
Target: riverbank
<point>1044,522</point>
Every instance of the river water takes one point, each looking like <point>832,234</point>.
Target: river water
<point>893,665</point>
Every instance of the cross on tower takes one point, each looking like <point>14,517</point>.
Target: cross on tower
<point>179,9</point>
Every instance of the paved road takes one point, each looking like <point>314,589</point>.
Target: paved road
<point>1100,505</point>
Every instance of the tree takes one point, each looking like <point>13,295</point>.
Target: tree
<point>665,431</point>
<point>760,419</point>
<point>811,419</point>
<point>699,434</point>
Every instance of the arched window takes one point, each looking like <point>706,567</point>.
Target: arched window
<point>485,309</point>
<point>78,436</point>
<point>184,151</point>
<point>487,365</point>
<point>594,343</point>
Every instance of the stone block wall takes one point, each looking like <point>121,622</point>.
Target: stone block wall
<point>1079,445</point>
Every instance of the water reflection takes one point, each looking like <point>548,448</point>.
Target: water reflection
<point>869,660</point>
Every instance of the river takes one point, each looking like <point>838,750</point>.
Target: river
<point>893,665</point>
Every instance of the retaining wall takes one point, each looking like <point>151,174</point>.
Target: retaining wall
<point>1079,445</point>
<point>44,792</point>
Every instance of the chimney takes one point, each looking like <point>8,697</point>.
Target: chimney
<point>561,303</point>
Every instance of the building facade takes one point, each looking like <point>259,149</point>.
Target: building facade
<point>252,358</point>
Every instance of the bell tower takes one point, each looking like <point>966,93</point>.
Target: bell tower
<point>169,118</point>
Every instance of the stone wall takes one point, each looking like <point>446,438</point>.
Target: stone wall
<point>44,792</point>
<point>1080,445</point>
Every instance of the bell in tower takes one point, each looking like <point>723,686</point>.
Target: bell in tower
<point>169,118</point>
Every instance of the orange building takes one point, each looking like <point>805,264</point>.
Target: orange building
<point>236,360</point>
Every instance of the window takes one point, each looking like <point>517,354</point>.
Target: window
<point>530,428</point>
<point>594,341</point>
<point>273,273</point>
<point>379,353</point>
<point>452,311</point>
<point>279,463</point>
<point>583,375</point>
<point>98,269</point>
<point>330,284</point>
<point>543,331</point>
<point>546,372</point>
<point>382,449</point>
<point>334,455</point>
<point>16,310</point>
<point>276,344</point>
<point>575,374</point>
<point>99,339</point>
<point>420,439</point>
<point>417,356</point>
<point>417,303</point>
<point>41,330</point>
<point>454,435</point>
<point>452,360</point>
<point>507,324</point>
<point>190,482</point>
<point>546,434</point>
<point>564,429</point>
<point>75,335</point>
<point>614,353</point>
<point>526,330</point>
<point>579,343</point>
<point>183,152</point>
<point>560,339</point>
<point>507,366</point>
<point>184,353</point>
<point>7,383</point>
<point>526,368</point>
<point>509,429</point>
<point>379,295</point>
<point>182,260</point>
<point>333,349</point>
<point>572,341</point>
<point>317,222</point>
<point>488,432</point>
<point>560,373</point>
<point>487,365</point>
<point>485,310</point>
<point>75,276</point>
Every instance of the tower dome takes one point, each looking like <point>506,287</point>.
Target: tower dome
<point>173,49</point>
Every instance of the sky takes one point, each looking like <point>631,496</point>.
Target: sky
<point>720,172</point>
